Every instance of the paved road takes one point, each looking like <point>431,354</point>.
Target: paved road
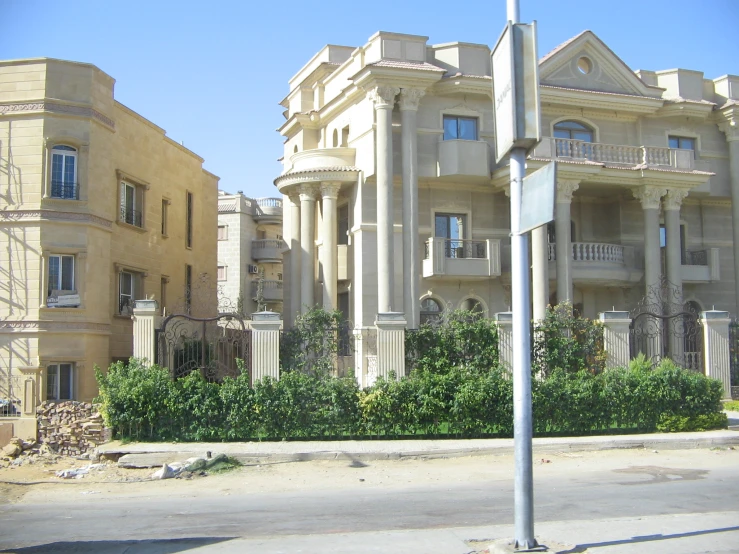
<point>629,491</point>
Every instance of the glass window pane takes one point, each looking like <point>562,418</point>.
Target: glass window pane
<point>582,135</point>
<point>450,128</point>
<point>65,381</point>
<point>673,142</point>
<point>54,273</point>
<point>662,237</point>
<point>67,280</point>
<point>57,163</point>
<point>688,143</point>
<point>126,284</point>
<point>457,227</point>
<point>69,170</point>
<point>129,198</point>
<point>65,148</point>
<point>51,382</point>
<point>467,128</point>
<point>442,226</point>
<point>559,133</point>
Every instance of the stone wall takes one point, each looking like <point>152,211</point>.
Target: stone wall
<point>71,428</point>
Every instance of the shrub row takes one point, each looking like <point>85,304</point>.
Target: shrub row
<point>145,403</point>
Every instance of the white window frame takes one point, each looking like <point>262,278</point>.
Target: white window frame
<point>128,309</point>
<point>56,367</point>
<point>60,277</point>
<point>222,274</point>
<point>65,151</point>
<point>136,206</point>
<point>224,235</point>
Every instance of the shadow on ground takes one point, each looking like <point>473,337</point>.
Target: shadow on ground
<point>146,546</point>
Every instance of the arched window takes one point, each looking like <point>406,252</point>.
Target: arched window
<point>472,305</point>
<point>569,132</point>
<point>430,311</point>
<point>64,172</point>
<point>573,130</point>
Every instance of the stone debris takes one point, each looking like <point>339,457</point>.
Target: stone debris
<point>191,465</point>
<point>78,472</point>
<point>71,428</point>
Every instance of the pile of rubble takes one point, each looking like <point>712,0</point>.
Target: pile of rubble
<point>71,428</point>
<point>19,447</point>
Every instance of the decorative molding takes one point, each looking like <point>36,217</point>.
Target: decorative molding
<point>308,191</point>
<point>55,107</point>
<point>649,196</point>
<point>410,98</point>
<point>383,96</point>
<point>318,177</point>
<point>66,326</point>
<point>31,215</point>
<point>123,176</point>
<point>674,199</point>
<point>730,128</point>
<point>565,189</point>
<point>330,189</point>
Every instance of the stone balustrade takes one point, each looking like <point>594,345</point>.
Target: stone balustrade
<point>593,252</point>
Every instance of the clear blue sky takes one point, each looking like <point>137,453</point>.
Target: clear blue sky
<point>212,73</point>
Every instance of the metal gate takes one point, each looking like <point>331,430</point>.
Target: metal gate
<point>663,327</point>
<point>210,345</point>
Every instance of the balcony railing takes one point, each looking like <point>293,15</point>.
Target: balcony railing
<point>267,250</point>
<point>695,257</point>
<point>132,217</point>
<point>650,156</point>
<point>592,252</point>
<point>271,290</point>
<point>267,209</point>
<point>66,191</point>
<point>461,258</point>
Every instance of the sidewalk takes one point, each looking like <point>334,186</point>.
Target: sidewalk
<point>143,454</point>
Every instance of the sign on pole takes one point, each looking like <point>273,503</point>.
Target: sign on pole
<point>538,198</point>
<point>516,89</point>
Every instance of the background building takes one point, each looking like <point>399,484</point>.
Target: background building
<point>250,245</point>
<point>98,208</point>
<point>394,202</point>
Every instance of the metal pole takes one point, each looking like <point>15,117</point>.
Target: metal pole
<point>522,420</point>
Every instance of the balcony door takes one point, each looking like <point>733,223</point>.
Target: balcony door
<point>451,227</point>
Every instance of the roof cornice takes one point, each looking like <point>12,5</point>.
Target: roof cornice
<point>600,100</point>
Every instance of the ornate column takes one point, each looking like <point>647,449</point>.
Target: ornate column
<point>731,129</point>
<point>671,204</point>
<point>540,272</point>
<point>650,201</point>
<point>384,99</point>
<point>307,246</point>
<point>329,260</point>
<point>295,257</point>
<point>409,100</point>
<point>563,246</point>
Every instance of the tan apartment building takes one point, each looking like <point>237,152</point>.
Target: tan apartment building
<point>98,208</point>
<point>250,249</point>
<point>394,202</point>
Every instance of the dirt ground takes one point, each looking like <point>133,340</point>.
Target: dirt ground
<point>37,481</point>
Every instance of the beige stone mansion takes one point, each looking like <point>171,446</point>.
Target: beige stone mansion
<point>393,201</point>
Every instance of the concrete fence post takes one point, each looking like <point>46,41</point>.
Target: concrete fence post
<point>146,320</point>
<point>265,345</point>
<point>504,322</point>
<point>616,327</point>
<point>716,360</point>
<point>390,344</point>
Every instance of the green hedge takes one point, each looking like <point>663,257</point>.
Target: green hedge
<point>146,404</point>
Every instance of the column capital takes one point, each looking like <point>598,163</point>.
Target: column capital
<point>410,98</point>
<point>730,127</point>
<point>308,192</point>
<point>565,189</point>
<point>294,197</point>
<point>330,189</point>
<point>383,96</point>
<point>649,196</point>
<point>674,199</point>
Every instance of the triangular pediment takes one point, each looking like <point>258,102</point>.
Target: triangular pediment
<point>585,62</point>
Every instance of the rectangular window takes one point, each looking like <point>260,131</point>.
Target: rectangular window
<point>222,232</point>
<point>188,288</point>
<point>188,230</point>
<point>342,233</point>
<point>279,276</point>
<point>126,286</point>
<point>64,172</point>
<point>451,227</point>
<point>163,292</point>
<point>165,210</point>
<point>59,381</point>
<point>686,143</point>
<point>131,202</point>
<point>61,273</point>
<point>462,128</point>
<point>221,272</point>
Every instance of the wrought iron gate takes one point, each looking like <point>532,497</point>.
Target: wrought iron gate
<point>209,345</point>
<point>663,327</point>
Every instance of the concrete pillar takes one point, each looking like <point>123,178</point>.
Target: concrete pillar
<point>384,99</point>
<point>540,271</point>
<point>671,204</point>
<point>409,100</point>
<point>616,338</point>
<point>562,232</point>
<point>146,320</point>
<point>307,246</point>
<point>504,322</point>
<point>390,344</point>
<point>650,201</point>
<point>716,358</point>
<point>732,137</point>
<point>295,258</point>
<point>329,257</point>
<point>265,345</point>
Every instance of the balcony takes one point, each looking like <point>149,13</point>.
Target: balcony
<point>271,290</point>
<point>700,266</point>
<point>615,154</point>
<point>598,263</point>
<point>268,250</point>
<point>465,159</point>
<point>455,259</point>
<point>64,190</point>
<point>267,210</point>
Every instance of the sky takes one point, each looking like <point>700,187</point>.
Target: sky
<point>212,73</point>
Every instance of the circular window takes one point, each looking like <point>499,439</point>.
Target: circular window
<point>584,65</point>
